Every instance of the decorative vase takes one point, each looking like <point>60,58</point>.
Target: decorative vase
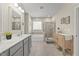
<point>8,37</point>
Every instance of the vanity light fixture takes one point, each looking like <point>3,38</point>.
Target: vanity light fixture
<point>19,8</point>
<point>22,10</point>
<point>16,5</point>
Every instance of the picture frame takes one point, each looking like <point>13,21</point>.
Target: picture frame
<point>65,20</point>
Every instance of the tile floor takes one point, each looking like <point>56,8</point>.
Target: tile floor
<point>41,48</point>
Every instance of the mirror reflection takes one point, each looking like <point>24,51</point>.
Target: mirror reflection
<point>16,20</point>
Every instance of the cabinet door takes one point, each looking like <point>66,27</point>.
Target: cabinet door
<point>19,52</point>
<point>60,40</point>
<point>6,53</point>
<point>15,48</point>
<point>30,42</point>
<point>26,51</point>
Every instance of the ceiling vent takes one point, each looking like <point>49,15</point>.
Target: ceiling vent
<point>41,7</point>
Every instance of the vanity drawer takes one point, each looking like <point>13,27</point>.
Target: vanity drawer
<point>15,48</point>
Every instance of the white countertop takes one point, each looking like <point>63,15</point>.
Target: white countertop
<point>6,44</point>
<point>64,34</point>
<point>67,36</point>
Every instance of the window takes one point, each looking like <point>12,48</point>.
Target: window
<point>37,25</point>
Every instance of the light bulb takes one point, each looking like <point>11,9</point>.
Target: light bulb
<point>22,10</point>
<point>15,4</point>
<point>19,8</point>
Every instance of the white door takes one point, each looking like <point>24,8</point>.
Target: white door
<point>77,31</point>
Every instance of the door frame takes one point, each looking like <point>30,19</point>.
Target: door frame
<point>75,32</point>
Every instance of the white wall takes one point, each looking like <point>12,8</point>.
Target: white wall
<point>25,22</point>
<point>67,10</point>
<point>0,18</point>
<point>4,17</point>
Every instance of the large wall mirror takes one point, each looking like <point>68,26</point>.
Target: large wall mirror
<point>16,20</point>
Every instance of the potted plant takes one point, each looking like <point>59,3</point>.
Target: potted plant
<point>8,35</point>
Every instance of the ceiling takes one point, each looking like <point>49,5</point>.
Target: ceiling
<point>42,9</point>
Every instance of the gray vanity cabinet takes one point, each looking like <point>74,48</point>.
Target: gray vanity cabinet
<point>26,48</point>
<point>19,52</point>
<point>30,43</point>
<point>6,53</point>
<point>21,48</point>
<point>16,49</point>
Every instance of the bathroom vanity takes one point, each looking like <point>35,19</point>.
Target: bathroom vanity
<point>65,42</point>
<point>17,46</point>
